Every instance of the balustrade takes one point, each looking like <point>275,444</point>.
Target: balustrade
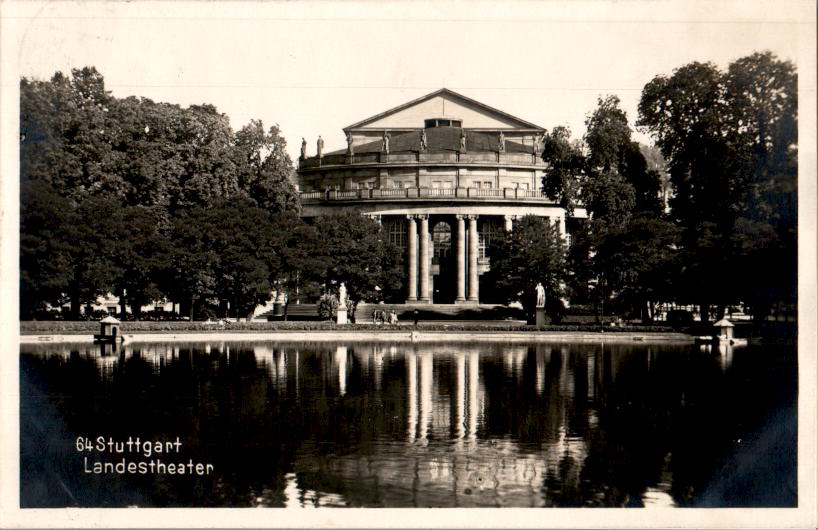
<point>433,193</point>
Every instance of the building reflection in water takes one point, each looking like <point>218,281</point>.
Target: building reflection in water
<point>440,425</point>
<point>341,368</point>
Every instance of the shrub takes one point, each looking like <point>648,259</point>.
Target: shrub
<point>327,307</point>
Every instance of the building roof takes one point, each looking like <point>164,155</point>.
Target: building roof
<point>440,139</point>
<point>724,323</point>
<point>512,122</point>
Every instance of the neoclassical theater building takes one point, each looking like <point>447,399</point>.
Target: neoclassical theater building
<point>443,174</point>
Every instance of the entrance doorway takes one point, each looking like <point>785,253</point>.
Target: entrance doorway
<point>444,282</point>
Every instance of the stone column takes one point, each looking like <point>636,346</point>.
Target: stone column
<point>473,249</point>
<point>461,258</point>
<point>424,258</point>
<point>412,242</point>
<point>509,221</point>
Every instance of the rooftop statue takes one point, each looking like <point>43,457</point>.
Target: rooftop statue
<point>423,140</point>
<point>303,148</point>
<point>350,147</point>
<point>320,146</point>
<point>501,143</point>
<point>386,142</point>
<point>462,139</point>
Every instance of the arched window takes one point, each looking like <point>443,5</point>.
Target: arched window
<point>441,241</point>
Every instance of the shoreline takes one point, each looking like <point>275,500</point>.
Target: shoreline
<point>381,336</point>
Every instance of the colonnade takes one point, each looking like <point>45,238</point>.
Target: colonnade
<point>466,243</point>
<point>468,397</point>
<point>419,245</point>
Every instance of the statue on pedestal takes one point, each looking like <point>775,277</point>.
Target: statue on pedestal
<point>342,296</point>
<point>463,140</point>
<point>537,145</point>
<point>423,140</point>
<point>320,146</point>
<point>386,142</point>
<point>350,148</point>
<point>540,292</point>
<point>303,148</point>
<point>501,143</point>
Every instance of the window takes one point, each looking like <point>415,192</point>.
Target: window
<point>488,231</point>
<point>436,184</point>
<point>441,122</point>
<point>396,230</point>
<point>476,184</point>
<point>487,184</point>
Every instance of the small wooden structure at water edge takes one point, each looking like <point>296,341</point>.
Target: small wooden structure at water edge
<point>109,331</point>
<point>724,335</point>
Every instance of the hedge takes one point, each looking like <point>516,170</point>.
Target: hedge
<point>132,327</point>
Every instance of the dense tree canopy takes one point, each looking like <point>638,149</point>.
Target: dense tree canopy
<point>150,201</point>
<point>534,252</point>
<point>356,251</point>
<point>730,138</point>
<point>145,200</point>
<point>565,166</point>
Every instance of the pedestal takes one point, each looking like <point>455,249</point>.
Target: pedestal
<point>341,317</point>
<point>540,317</point>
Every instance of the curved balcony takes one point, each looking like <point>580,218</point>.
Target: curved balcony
<point>473,194</point>
<point>411,159</point>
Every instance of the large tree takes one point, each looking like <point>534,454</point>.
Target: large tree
<point>108,182</point>
<point>264,168</point>
<point>533,252</point>
<point>617,188</point>
<point>357,252</point>
<point>566,164</point>
<point>731,145</point>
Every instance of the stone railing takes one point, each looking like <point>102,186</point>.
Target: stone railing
<point>416,158</point>
<point>425,193</point>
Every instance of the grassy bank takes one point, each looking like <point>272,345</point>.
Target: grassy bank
<point>88,328</point>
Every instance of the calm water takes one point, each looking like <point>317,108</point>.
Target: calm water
<point>304,425</point>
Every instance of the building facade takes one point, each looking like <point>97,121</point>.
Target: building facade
<point>443,174</point>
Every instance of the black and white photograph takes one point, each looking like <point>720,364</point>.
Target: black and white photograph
<point>486,258</point>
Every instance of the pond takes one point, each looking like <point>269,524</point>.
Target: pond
<point>302,425</point>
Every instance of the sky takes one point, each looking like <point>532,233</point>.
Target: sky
<point>315,67</point>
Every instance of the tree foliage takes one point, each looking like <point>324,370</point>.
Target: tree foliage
<point>128,196</point>
<point>534,252</point>
<point>356,251</point>
<point>730,138</point>
<point>565,166</point>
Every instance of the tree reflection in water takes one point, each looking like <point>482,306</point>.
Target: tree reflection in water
<point>357,424</point>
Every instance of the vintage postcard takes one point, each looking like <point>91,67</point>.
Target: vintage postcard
<point>408,264</point>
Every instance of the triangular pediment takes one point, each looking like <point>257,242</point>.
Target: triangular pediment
<point>443,103</point>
